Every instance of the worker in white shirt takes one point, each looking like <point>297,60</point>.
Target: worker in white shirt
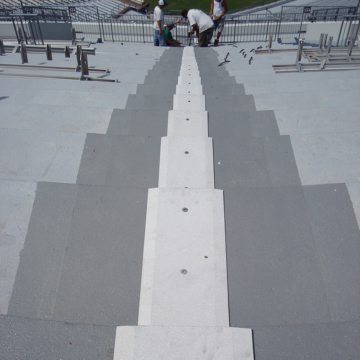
<point>159,24</point>
<point>201,24</point>
<point>218,10</point>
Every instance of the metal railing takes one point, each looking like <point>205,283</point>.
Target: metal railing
<point>92,25</point>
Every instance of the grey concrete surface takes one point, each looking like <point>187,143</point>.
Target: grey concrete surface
<point>113,160</point>
<point>139,122</point>
<point>273,270</point>
<point>337,239</point>
<point>22,338</point>
<point>243,124</point>
<point>82,257</point>
<point>323,341</point>
<point>17,198</point>
<point>292,250</point>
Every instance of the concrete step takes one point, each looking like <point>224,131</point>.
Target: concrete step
<point>241,125</point>
<point>115,160</point>
<point>323,341</point>
<point>218,104</point>
<point>172,343</point>
<point>84,246</point>
<point>254,162</point>
<point>138,122</point>
<point>187,272</point>
<point>149,102</point>
<point>186,162</point>
<point>44,340</point>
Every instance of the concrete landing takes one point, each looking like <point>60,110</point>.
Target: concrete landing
<point>150,342</point>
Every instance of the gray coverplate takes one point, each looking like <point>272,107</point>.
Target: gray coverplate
<point>243,124</point>
<point>273,270</point>
<point>139,122</point>
<point>22,338</point>
<point>113,160</point>
<point>326,341</point>
<point>254,162</point>
<point>337,239</point>
<point>292,251</point>
<point>83,254</point>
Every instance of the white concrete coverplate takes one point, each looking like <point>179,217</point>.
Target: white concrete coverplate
<point>187,123</point>
<point>189,102</point>
<point>185,343</point>
<point>186,162</point>
<point>184,275</point>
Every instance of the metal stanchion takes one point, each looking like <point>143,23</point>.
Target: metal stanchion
<point>21,35</point>
<point>73,36</point>
<point>67,51</point>
<point>78,57</point>
<point>2,48</point>
<point>351,45</point>
<point>48,52</point>
<point>329,45</point>
<point>325,41</point>
<point>270,43</point>
<point>84,65</point>
<point>321,40</point>
<point>299,51</point>
<point>23,52</point>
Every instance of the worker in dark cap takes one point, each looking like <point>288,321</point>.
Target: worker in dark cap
<point>159,24</point>
<point>201,24</point>
<point>169,40</point>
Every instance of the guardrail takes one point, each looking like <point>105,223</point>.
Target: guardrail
<point>139,28</point>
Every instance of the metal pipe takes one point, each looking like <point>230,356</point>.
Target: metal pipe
<point>2,48</point>
<point>325,41</point>
<point>48,52</point>
<point>331,38</point>
<point>67,51</point>
<point>78,57</point>
<point>300,50</point>
<point>270,42</point>
<point>23,52</point>
<point>84,65</point>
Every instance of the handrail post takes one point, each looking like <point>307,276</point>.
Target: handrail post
<point>23,52</point>
<point>2,48</point>
<point>48,52</point>
<point>98,17</point>
<point>78,57</point>
<point>321,40</point>
<point>329,45</point>
<point>84,65</point>
<point>299,51</point>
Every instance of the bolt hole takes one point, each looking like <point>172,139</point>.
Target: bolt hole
<point>185,209</point>
<point>205,256</point>
<point>187,119</point>
<point>189,100</point>
<point>184,271</point>
<point>186,152</point>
